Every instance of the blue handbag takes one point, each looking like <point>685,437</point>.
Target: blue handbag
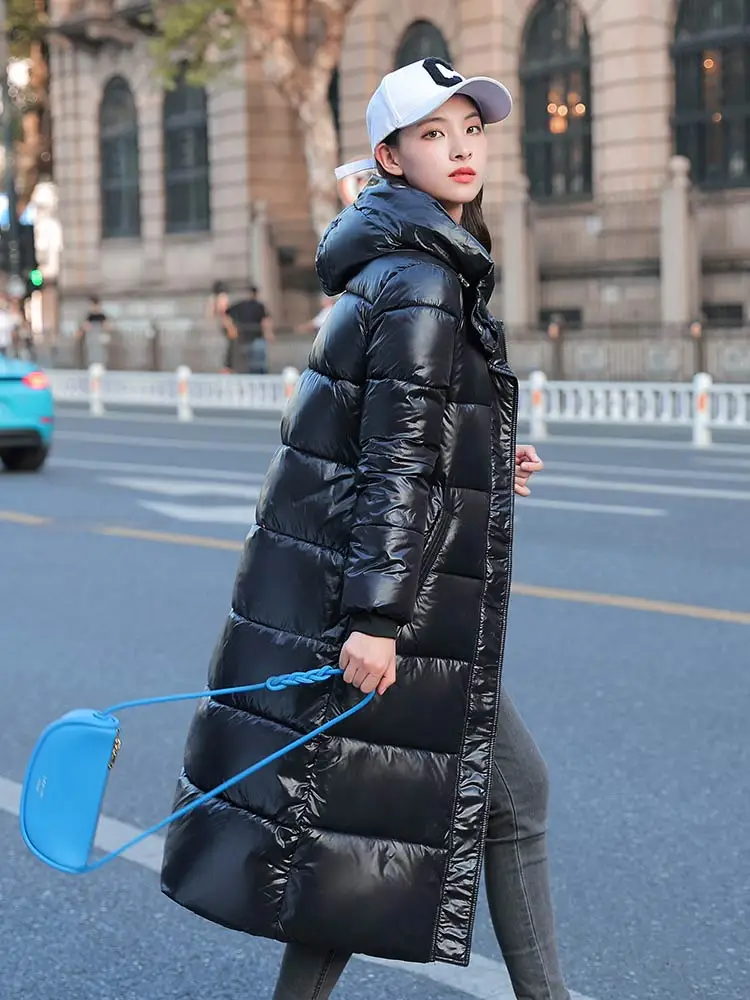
<point>67,774</point>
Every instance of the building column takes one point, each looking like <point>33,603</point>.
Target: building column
<point>680,258</point>
<point>519,268</point>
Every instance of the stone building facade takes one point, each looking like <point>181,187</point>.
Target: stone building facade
<point>600,231</point>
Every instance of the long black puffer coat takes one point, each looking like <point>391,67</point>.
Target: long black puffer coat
<point>391,499</point>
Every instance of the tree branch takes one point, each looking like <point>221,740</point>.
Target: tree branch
<point>281,64</point>
<point>299,47</point>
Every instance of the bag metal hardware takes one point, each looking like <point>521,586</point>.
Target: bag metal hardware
<point>115,750</point>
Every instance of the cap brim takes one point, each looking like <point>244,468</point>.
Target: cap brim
<point>491,97</point>
<point>355,167</point>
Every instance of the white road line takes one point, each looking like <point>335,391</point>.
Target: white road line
<point>657,444</point>
<point>485,979</point>
<point>739,463</point>
<point>202,515</point>
<point>590,508</point>
<point>188,488</point>
<point>596,485</point>
<point>272,423</point>
<point>86,437</point>
<point>91,465</point>
<point>555,439</point>
<point>649,472</point>
<point>250,422</point>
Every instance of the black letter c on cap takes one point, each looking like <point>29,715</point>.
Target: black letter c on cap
<point>442,72</point>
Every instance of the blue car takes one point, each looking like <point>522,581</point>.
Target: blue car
<point>27,415</point>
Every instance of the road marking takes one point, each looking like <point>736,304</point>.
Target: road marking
<point>201,445</point>
<point>20,517</point>
<point>484,979</point>
<point>270,423</point>
<point>169,538</point>
<point>522,589</point>
<point>206,513</point>
<point>657,444</point>
<point>112,416</point>
<point>188,487</point>
<point>632,603</point>
<point>90,465</point>
<point>201,515</point>
<point>741,463</point>
<point>648,472</point>
<point>87,437</point>
<point>665,489</point>
<point>592,508</point>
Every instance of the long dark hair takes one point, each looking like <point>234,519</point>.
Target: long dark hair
<point>472,218</point>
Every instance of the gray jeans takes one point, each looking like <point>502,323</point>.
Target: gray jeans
<point>254,357</point>
<point>516,875</point>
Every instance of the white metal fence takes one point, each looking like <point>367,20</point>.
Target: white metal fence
<point>182,390</point>
<point>700,405</point>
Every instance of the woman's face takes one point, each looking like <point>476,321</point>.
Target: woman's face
<point>445,155</point>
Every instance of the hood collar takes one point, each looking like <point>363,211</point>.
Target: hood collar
<point>388,217</point>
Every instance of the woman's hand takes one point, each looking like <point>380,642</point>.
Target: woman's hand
<point>369,662</point>
<point>527,463</point>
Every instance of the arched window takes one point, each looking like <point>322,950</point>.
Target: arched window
<point>186,161</point>
<point>421,40</point>
<point>556,78</point>
<point>119,161</point>
<point>712,90</point>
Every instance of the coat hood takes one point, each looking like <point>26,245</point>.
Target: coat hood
<point>389,217</point>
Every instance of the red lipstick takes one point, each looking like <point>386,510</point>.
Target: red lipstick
<point>463,175</point>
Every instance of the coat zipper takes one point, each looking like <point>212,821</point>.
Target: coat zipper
<point>504,629</point>
<point>432,546</point>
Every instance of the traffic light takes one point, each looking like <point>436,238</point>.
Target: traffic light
<point>29,264</point>
<point>30,272</point>
<point>27,249</point>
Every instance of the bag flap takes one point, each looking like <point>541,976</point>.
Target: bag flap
<point>64,787</point>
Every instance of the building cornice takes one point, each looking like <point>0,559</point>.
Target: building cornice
<point>95,23</point>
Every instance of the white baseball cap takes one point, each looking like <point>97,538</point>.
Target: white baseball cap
<point>413,92</point>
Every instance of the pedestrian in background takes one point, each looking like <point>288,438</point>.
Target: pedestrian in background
<point>94,334</point>
<point>249,326</point>
<point>383,542</point>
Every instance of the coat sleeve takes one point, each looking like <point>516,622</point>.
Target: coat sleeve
<point>412,333</point>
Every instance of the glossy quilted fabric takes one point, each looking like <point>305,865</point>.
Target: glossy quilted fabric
<point>390,495</point>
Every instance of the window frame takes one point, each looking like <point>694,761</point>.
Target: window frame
<point>180,217</point>
<point>693,115</point>
<point>120,142</point>
<point>411,36</point>
<point>538,142</point>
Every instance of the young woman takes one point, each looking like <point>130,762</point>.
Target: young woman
<point>383,542</point>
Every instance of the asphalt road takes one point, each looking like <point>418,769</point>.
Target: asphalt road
<point>627,654</point>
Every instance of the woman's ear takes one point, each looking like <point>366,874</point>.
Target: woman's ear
<point>387,157</point>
